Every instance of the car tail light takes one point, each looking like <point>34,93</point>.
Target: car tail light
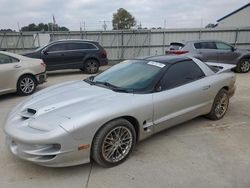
<point>104,54</point>
<point>43,64</point>
<point>177,52</point>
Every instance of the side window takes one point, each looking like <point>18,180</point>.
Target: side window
<point>57,47</point>
<point>205,45</point>
<point>223,46</point>
<point>80,46</point>
<point>4,59</point>
<point>180,74</point>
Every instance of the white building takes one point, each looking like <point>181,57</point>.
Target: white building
<point>238,18</point>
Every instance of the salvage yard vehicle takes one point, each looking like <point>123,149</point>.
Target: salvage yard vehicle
<point>104,116</point>
<point>213,51</point>
<point>20,74</point>
<point>86,55</point>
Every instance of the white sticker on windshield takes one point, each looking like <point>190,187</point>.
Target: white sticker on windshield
<point>161,65</point>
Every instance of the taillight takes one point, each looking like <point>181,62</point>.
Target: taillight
<point>177,52</point>
<point>103,54</point>
<point>43,64</point>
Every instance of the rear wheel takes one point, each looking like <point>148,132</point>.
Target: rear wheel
<point>220,105</point>
<point>243,66</point>
<point>26,85</point>
<point>113,143</point>
<point>91,66</point>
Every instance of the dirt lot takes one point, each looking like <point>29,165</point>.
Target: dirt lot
<point>198,153</point>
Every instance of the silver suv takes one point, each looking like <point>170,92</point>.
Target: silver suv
<point>213,51</point>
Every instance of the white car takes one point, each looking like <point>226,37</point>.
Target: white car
<point>20,74</point>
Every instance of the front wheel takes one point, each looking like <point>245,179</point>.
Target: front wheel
<point>243,66</point>
<point>113,143</point>
<point>26,85</point>
<point>220,105</point>
<point>91,66</point>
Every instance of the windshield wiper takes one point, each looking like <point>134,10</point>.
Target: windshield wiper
<point>125,90</point>
<point>109,85</point>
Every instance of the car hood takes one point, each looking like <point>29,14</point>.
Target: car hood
<point>66,95</point>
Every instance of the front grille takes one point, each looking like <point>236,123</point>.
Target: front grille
<point>38,153</point>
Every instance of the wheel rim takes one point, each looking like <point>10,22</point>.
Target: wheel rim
<point>27,85</point>
<point>117,144</point>
<point>92,66</point>
<point>221,105</point>
<point>245,65</point>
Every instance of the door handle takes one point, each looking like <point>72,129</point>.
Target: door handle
<point>17,66</point>
<point>206,87</point>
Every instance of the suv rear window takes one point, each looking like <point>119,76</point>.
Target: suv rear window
<point>205,45</point>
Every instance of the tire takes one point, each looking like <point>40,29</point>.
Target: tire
<point>220,105</point>
<point>110,137</point>
<point>243,66</point>
<point>91,66</point>
<point>26,85</point>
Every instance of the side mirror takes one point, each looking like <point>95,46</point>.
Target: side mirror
<point>91,78</point>
<point>45,52</point>
<point>233,49</point>
<point>158,88</point>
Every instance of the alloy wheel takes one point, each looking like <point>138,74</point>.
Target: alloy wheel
<point>27,85</point>
<point>245,66</point>
<point>221,105</point>
<point>117,144</point>
<point>92,66</point>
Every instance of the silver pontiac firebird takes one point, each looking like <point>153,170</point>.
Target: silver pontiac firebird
<point>101,118</point>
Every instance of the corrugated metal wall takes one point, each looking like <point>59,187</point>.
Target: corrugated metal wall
<point>127,44</point>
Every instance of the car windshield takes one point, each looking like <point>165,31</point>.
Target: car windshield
<point>130,75</point>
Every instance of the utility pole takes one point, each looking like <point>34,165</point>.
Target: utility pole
<point>165,23</point>
<point>105,26</point>
<point>18,26</point>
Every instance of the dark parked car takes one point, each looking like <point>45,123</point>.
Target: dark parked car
<point>72,54</point>
<point>213,51</point>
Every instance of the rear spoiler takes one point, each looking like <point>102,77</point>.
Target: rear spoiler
<point>221,67</point>
<point>177,44</point>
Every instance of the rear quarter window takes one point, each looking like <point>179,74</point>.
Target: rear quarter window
<point>181,73</point>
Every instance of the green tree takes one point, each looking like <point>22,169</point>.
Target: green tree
<point>44,27</point>
<point>122,19</point>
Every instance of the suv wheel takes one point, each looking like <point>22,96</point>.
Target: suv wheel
<point>243,66</point>
<point>91,66</point>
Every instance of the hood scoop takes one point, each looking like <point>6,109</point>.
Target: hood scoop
<point>27,113</point>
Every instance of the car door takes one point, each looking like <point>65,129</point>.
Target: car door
<point>184,94</point>
<point>226,53</point>
<point>77,52</point>
<point>207,50</point>
<point>54,56</point>
<point>9,68</point>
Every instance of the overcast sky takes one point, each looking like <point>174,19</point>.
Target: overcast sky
<point>150,13</point>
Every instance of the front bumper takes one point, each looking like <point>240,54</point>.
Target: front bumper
<point>103,61</point>
<point>41,78</point>
<point>56,148</point>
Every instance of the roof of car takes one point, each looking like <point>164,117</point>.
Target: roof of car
<point>73,40</point>
<point>194,41</point>
<point>166,59</point>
